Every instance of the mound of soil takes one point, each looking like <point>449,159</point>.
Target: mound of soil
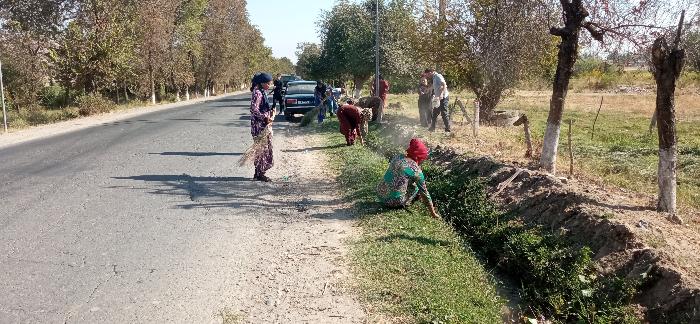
<point>627,239</point>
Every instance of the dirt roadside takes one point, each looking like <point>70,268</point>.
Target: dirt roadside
<point>300,273</point>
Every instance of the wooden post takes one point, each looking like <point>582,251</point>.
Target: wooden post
<point>571,152</point>
<point>475,123</point>
<point>528,138</point>
<point>596,117</point>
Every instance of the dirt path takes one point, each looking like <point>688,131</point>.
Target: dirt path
<point>300,273</point>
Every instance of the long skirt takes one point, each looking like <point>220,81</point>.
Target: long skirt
<point>350,120</point>
<point>263,157</point>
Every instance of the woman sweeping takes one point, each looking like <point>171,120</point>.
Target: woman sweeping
<point>260,124</point>
<point>404,180</point>
<point>350,118</point>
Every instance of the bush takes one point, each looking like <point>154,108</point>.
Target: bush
<point>53,97</point>
<point>91,104</point>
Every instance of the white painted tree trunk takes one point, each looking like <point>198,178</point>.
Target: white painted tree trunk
<point>153,92</point>
<point>475,123</point>
<point>177,95</point>
<point>668,159</point>
<point>548,161</point>
<point>187,93</point>
<point>356,93</point>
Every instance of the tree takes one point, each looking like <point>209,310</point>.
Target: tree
<point>618,20</point>
<point>97,47</point>
<point>668,63</point>
<point>28,29</point>
<point>500,43</point>
<point>308,60</point>
<point>155,35</point>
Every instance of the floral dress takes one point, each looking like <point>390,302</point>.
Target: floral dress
<point>260,110</point>
<point>401,183</point>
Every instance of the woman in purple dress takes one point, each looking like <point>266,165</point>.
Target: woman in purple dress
<point>261,117</point>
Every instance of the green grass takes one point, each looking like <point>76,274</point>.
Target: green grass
<point>405,264</point>
<point>623,153</point>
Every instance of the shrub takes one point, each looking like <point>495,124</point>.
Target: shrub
<point>91,104</point>
<point>53,96</point>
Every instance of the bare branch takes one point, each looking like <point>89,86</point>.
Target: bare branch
<point>596,33</point>
<point>677,41</point>
<point>561,32</point>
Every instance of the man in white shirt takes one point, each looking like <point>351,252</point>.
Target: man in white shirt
<point>441,93</point>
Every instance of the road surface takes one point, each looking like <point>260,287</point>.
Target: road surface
<point>150,220</point>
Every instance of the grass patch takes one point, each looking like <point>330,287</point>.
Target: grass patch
<point>621,152</point>
<point>406,264</point>
<point>404,258</point>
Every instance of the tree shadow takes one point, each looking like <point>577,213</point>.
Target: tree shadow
<point>418,239</point>
<point>314,148</point>
<point>229,192</point>
<point>196,154</point>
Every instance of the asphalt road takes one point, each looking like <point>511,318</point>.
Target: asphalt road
<point>142,220</point>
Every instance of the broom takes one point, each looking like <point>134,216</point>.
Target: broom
<point>259,144</point>
<point>311,115</point>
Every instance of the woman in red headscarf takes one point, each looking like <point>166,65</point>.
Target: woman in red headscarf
<point>350,118</point>
<point>404,180</point>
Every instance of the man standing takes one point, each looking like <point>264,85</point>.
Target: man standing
<point>277,93</point>
<point>383,92</point>
<point>440,92</point>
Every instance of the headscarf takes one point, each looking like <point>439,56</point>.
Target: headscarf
<point>261,78</point>
<point>417,151</point>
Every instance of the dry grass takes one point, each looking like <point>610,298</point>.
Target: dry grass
<point>622,153</point>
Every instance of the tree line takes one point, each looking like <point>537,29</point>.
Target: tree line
<point>55,51</point>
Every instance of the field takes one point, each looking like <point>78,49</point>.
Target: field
<point>621,152</point>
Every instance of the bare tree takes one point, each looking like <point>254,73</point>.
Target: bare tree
<point>622,21</point>
<point>668,63</point>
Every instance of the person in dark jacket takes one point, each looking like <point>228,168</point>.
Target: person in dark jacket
<point>277,93</point>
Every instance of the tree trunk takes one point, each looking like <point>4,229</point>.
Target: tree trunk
<point>126,93</point>
<point>177,94</point>
<point>488,100</point>
<point>668,64</point>
<point>153,87</point>
<point>475,123</point>
<point>358,81</point>
<point>187,93</point>
<point>652,123</point>
<point>568,52</point>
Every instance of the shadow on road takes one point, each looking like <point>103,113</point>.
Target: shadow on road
<point>314,148</point>
<point>196,154</point>
<point>234,192</point>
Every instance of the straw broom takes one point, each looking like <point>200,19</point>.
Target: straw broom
<point>259,144</point>
<point>309,116</point>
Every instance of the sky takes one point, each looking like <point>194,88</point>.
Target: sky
<point>284,23</point>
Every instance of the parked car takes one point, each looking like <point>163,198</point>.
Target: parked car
<point>299,98</point>
<point>286,78</point>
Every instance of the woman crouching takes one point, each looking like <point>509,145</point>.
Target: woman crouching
<point>350,118</point>
<point>404,180</point>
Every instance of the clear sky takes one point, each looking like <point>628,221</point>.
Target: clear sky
<point>284,23</point>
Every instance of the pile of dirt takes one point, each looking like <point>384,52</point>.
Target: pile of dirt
<point>628,240</point>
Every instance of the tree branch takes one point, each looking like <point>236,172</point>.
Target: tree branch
<point>597,34</point>
<point>677,41</point>
<point>561,32</point>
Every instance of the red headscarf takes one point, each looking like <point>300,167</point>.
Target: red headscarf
<point>417,151</point>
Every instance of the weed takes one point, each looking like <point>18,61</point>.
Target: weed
<point>405,263</point>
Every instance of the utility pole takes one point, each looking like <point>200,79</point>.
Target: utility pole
<point>2,94</point>
<point>376,59</point>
